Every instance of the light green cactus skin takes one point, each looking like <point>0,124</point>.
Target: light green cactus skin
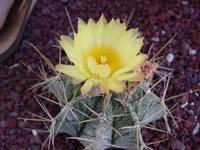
<point>98,134</point>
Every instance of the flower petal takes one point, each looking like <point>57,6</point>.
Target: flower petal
<point>92,65</point>
<point>81,24</point>
<point>103,71</point>
<point>104,88</point>
<point>71,71</point>
<point>68,45</point>
<point>102,20</point>
<point>133,50</point>
<point>130,76</point>
<point>85,39</point>
<point>100,31</point>
<point>131,65</point>
<point>113,33</point>
<point>116,86</point>
<point>87,86</point>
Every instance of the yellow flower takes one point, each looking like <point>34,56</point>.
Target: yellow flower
<point>104,54</point>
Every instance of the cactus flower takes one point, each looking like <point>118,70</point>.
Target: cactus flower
<point>103,54</point>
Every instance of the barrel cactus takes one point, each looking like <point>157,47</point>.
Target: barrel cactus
<point>106,93</point>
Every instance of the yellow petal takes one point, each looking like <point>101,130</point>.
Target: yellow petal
<point>131,50</point>
<point>135,33</point>
<point>123,38</point>
<point>112,33</point>
<point>131,65</point>
<point>128,76</point>
<point>134,49</point>
<point>71,71</point>
<point>90,34</point>
<point>85,39</point>
<point>92,65</point>
<point>103,71</point>
<point>100,31</point>
<point>104,88</point>
<point>81,24</point>
<point>86,87</point>
<point>102,20</point>
<point>117,21</point>
<point>116,86</point>
<point>68,45</point>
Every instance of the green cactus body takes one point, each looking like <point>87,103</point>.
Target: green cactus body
<point>98,129</point>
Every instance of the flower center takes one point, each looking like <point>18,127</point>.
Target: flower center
<point>104,55</point>
<point>103,59</point>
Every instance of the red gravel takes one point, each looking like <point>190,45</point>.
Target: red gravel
<point>160,19</point>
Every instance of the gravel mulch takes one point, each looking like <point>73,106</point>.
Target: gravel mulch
<point>157,20</point>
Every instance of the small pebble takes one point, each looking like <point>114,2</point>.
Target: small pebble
<point>22,124</point>
<point>14,66</point>
<point>185,46</point>
<point>170,57</point>
<point>35,139</point>
<point>3,124</point>
<point>34,132</point>
<point>193,80</point>
<point>45,11</point>
<point>13,114</point>
<point>176,144</point>
<point>11,123</point>
<point>191,112</point>
<point>192,52</point>
<point>50,42</point>
<point>36,147</point>
<point>184,2</point>
<point>179,68</point>
<point>155,39</point>
<point>196,94</point>
<point>71,34</point>
<point>184,105</point>
<point>196,129</point>
<point>192,104</point>
<point>163,31</point>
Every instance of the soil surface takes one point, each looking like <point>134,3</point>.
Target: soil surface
<point>157,21</point>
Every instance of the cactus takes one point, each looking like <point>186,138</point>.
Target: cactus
<point>101,118</point>
<point>103,121</point>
